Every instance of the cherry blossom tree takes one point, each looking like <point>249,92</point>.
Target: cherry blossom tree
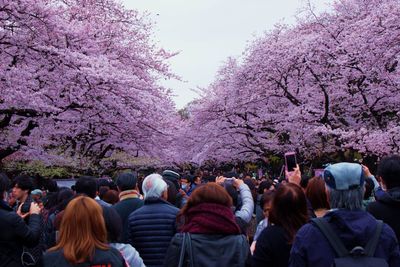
<point>80,78</point>
<point>327,84</point>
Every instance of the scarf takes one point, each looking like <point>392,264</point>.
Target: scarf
<point>128,194</point>
<point>210,218</point>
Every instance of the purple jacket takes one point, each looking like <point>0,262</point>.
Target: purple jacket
<point>354,228</point>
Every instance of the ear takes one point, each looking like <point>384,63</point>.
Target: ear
<point>383,184</point>
<point>165,195</point>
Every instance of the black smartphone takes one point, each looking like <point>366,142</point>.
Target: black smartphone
<point>290,161</point>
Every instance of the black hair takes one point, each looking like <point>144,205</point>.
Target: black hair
<point>232,192</point>
<point>102,182</point>
<point>266,197</point>
<point>102,191</point>
<point>113,224</point>
<point>264,185</point>
<point>127,181</point>
<point>51,185</point>
<point>304,181</point>
<point>63,197</point>
<point>23,182</point>
<point>172,192</point>
<point>389,170</point>
<point>4,183</point>
<point>86,185</point>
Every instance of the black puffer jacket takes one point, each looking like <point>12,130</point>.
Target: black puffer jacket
<point>387,209</point>
<point>210,250</point>
<point>15,234</point>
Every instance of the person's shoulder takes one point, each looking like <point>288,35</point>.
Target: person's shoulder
<point>10,216</point>
<point>171,208</point>
<point>372,206</point>
<point>388,234</point>
<point>272,233</point>
<point>165,207</point>
<point>110,253</point>
<point>49,256</point>
<point>272,228</point>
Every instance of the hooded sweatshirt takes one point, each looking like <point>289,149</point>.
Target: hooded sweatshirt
<point>387,209</point>
<point>354,228</point>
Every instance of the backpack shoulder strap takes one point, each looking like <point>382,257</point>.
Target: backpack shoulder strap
<point>373,242</point>
<point>331,236</point>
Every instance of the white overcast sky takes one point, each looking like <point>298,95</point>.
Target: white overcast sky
<point>207,32</point>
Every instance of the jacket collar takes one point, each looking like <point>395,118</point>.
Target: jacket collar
<point>154,200</point>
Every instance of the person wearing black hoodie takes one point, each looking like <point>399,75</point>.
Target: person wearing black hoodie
<point>387,206</point>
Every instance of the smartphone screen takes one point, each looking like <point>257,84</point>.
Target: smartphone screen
<point>290,161</point>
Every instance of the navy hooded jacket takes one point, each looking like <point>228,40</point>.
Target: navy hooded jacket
<point>151,229</point>
<point>355,228</point>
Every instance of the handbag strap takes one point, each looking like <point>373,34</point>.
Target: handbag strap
<point>190,249</point>
<point>183,250</point>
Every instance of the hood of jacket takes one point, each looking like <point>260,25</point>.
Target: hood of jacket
<point>355,228</point>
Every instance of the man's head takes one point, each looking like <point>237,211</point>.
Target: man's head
<point>37,195</point>
<point>172,176</point>
<point>197,180</point>
<point>22,187</point>
<point>154,187</point>
<point>126,181</point>
<point>86,185</point>
<point>389,171</point>
<point>345,183</point>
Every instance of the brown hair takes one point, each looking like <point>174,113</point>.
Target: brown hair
<point>289,209</point>
<point>111,197</point>
<point>208,193</point>
<point>82,230</point>
<point>316,193</point>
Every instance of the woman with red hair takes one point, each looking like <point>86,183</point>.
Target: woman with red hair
<point>83,238</point>
<point>209,234</point>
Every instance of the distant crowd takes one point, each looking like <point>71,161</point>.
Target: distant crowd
<point>345,216</point>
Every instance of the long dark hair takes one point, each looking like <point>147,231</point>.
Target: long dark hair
<point>289,209</point>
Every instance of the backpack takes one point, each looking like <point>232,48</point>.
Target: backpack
<point>358,256</point>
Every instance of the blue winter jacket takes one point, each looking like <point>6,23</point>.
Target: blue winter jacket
<point>355,228</point>
<point>151,229</point>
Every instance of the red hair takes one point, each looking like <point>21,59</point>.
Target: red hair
<point>208,193</point>
<point>82,230</point>
<point>316,193</point>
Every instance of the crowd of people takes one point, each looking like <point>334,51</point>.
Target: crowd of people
<point>344,217</point>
